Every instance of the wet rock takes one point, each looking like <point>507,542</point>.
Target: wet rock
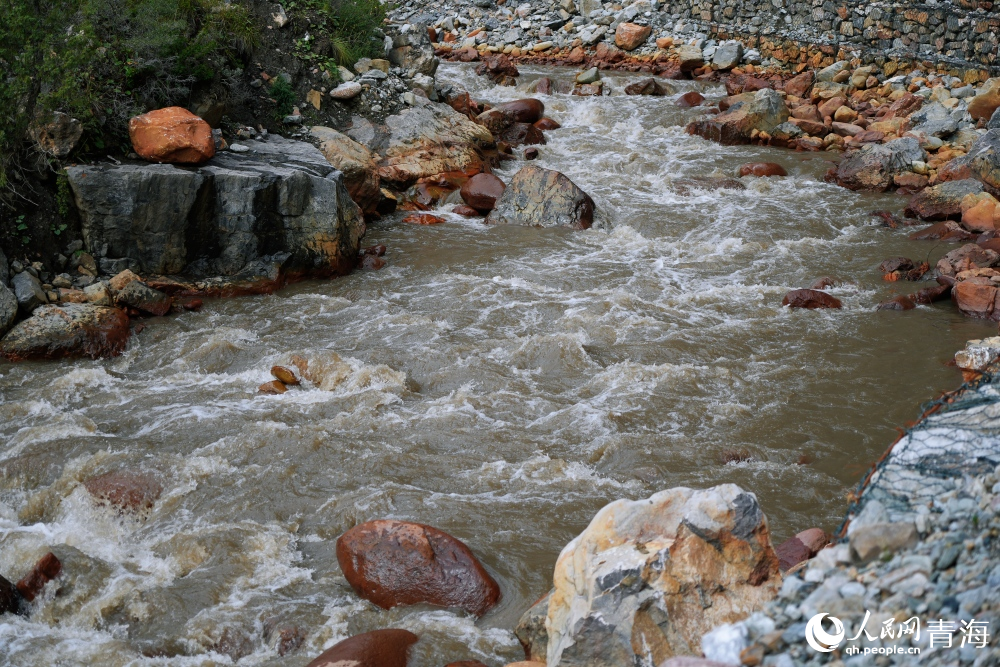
<point>45,570</point>
<point>281,197</point>
<point>942,201</point>
<point>629,36</point>
<point>520,134</point>
<point>539,197</point>
<point>284,375</point>
<point>496,120</point>
<point>984,158</point>
<point>392,563</point>
<point>8,309</point>
<point>531,632</point>
<point>809,298</point>
<point>378,648</point>
<point>542,86</point>
<point>650,86</point>
<point>29,293</point>
<point>685,186</point>
<point>799,85</point>
<point>648,578</point>
<point>980,212</point>
<point>690,99</point>
<point>371,263</point>
<point>355,161</point>
<point>482,191</point>
<point>11,600</point>
<point>171,135</point>
<point>976,299</point>
<point>986,101</point>
<point>466,211</point>
<point>126,490</point>
<point>140,296</point>
<point>592,75</point>
<point>56,135</point>
<point>736,125</point>
<point>897,303</point>
<point>943,231</point>
<point>589,89</point>
<point>272,387</point>
<point>531,153</point>
<point>429,140</point>
<point>72,330</point>
<point>547,124</point>
<point>762,169</point>
<point>894,264</point>
<point>968,257</point>
<point>285,638</point>
<point>823,283</point>
<point>499,69</point>
<point>869,542</point>
<point>873,165</point>
<point>525,111</point>
<point>423,219</point>
<point>929,295</point>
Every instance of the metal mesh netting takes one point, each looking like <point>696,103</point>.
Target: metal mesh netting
<point>957,436</point>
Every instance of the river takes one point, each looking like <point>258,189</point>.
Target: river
<point>501,384</point>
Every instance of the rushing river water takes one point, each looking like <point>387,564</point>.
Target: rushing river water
<point>501,384</point>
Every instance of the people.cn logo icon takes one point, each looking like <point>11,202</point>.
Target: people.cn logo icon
<point>820,639</point>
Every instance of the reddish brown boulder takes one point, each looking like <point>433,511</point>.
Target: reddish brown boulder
<point>125,490</point>
<point>520,134</point>
<point>541,86</point>
<point>423,219</point>
<point>813,538</point>
<point>690,99</point>
<point>904,106</point>
<point>815,128</point>
<point>46,569</point>
<point>957,169</point>
<point>762,169</point>
<point>629,36</point>
<point>284,375</point>
<point>272,387</point>
<point>173,135</point>
<point>799,85</point>
<point>791,552</point>
<point>943,231</point>
<point>976,299</point>
<point>931,294</point>
<point>896,264</point>
<point>496,120</point>
<point>482,191</point>
<point>966,258</point>
<point>525,111</point>
<point>71,330</point>
<point>810,298</point>
<point>531,153</point>
<point>499,69</point>
<point>392,563</point>
<point>465,105</point>
<point>467,211</point>
<point>378,648</point>
<point>897,303</point>
<point>547,124</point>
<point>651,86</point>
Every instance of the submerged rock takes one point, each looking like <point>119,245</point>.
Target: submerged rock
<point>873,166</point>
<point>762,169</point>
<point>11,600</point>
<point>280,197</point>
<point>482,191</point>
<point>531,632</point>
<point>650,86</point>
<point>648,578</point>
<point>71,330</point>
<point>378,648</point>
<point>737,124</point>
<point>392,563</point>
<point>810,298</point>
<point>126,490</point>
<point>171,135</point>
<point>538,197</point>
<point>45,570</point>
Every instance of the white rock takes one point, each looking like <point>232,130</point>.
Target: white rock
<point>725,643</point>
<point>346,91</point>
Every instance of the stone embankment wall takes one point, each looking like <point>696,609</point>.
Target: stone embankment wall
<point>961,34</point>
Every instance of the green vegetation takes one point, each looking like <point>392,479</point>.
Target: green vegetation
<point>283,95</point>
<point>345,32</point>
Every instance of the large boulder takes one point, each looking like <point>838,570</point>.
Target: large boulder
<point>482,191</point>
<point>648,578</point>
<point>413,52</point>
<point>378,648</point>
<point>538,197</point>
<point>983,158</point>
<point>281,198</point>
<point>29,292</point>
<point>630,36</point>
<point>56,134</point>
<point>355,161</point>
<point>982,106</point>
<point>763,113</point>
<point>393,563</point>
<point>872,167</point>
<point>942,201</point>
<point>8,309</point>
<point>70,330</point>
<point>429,140</point>
<point>172,135</point>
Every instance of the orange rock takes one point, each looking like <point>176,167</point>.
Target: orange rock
<point>284,375</point>
<point>173,135</point>
<point>46,569</point>
<point>629,36</point>
<point>664,42</point>
<point>423,219</point>
<point>125,490</point>
<point>980,212</point>
<point>378,648</point>
<point>762,169</point>
<point>273,387</point>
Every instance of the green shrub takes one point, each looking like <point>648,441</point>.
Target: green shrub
<point>354,26</point>
<point>283,95</point>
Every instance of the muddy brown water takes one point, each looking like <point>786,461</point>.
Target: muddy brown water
<point>501,384</point>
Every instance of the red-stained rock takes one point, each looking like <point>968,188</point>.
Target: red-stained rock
<point>896,264</point>
<point>541,86</point>
<point>957,169</point>
<point>815,128</point>
<point>465,105</point>
<point>423,219</point>
<point>531,153</point>
<point>975,299</point>
<point>172,135</point>
<point>651,86</point>
<point>378,648</point>
<point>377,250</point>
<point>814,539</point>
<point>989,244</point>
<point>125,490</point>
<point>576,56</point>
<point>968,257</point>
<point>931,294</point>
<point>942,201</point>
<point>71,330</point>
<point>690,99</point>
<point>285,638</point>
<point>745,83</point>
<point>810,298</point>
<point>141,296</point>
<point>520,134</point>
<point>539,197</point>
<point>762,169</point>
<point>191,304</point>
<point>799,85</point>
<point>791,552</point>
<point>482,191</point>
<point>904,106</point>
<point>371,263</point>
<point>943,231</point>
<point>499,69</point>
<point>630,36</point>
<point>495,120</point>
<point>823,283</point>
<point>909,182</point>
<point>547,124</point>
<point>467,211</point>
<point>527,110</point>
<point>272,387</point>
<point>46,569</point>
<point>284,375</point>
<point>869,136</point>
<point>897,303</point>
<point>392,563</point>
<point>830,106</point>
